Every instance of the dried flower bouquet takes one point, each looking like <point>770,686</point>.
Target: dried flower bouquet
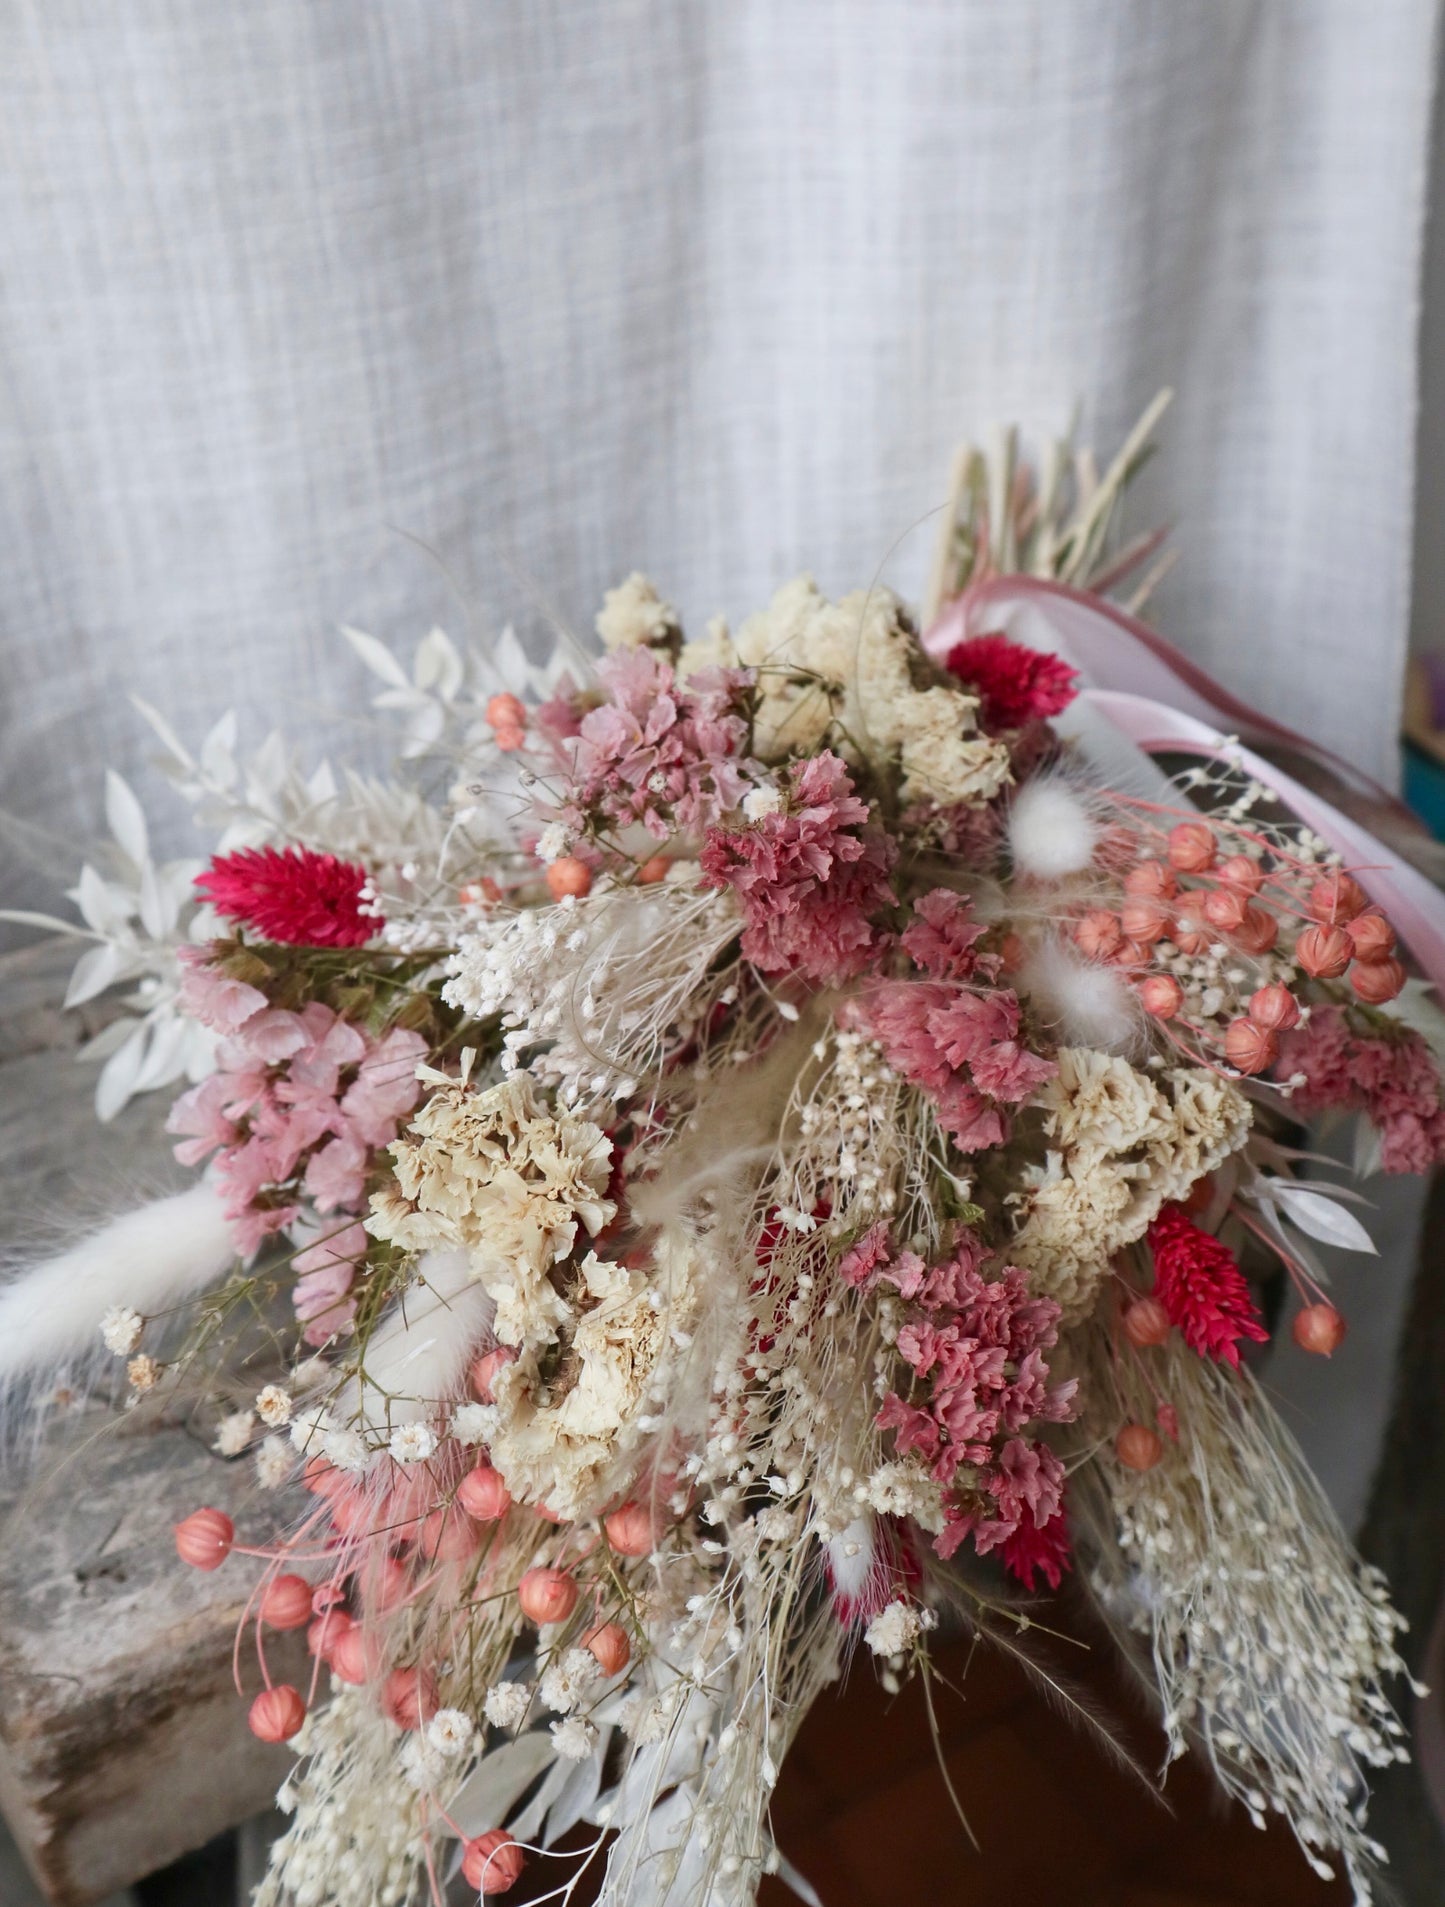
<point>772,1153</point>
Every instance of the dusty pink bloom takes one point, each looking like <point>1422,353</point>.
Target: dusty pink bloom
<point>207,995</point>
<point>300,1106</point>
<point>810,879</point>
<point>656,752</point>
<point>975,1345</point>
<point>1393,1080</point>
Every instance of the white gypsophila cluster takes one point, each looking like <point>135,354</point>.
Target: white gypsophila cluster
<point>1271,1641</point>
<point>470,1424</point>
<point>566,1680</point>
<point>412,1443</point>
<point>574,1738</point>
<point>451,1733</point>
<point>233,1432</point>
<point>1121,1145</point>
<point>506,1704</point>
<point>896,1628</point>
<point>593,994</point>
<point>275,1463</point>
<point>120,1330</point>
<point>274,1406</point>
<point>356,1831</point>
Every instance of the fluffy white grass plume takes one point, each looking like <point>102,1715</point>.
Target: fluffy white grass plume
<point>1051,831</point>
<point>419,1354</point>
<point>150,1260</point>
<point>1081,1003</point>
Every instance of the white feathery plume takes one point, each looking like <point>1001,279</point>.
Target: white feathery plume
<point>150,1260</point>
<point>1080,1002</point>
<point>1051,831</point>
<point>418,1355</point>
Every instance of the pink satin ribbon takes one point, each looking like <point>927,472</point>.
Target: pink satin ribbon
<point>1164,703</point>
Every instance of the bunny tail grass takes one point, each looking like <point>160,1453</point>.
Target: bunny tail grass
<point>150,1259</point>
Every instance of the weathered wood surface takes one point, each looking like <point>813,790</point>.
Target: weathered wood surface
<point>122,1741</point>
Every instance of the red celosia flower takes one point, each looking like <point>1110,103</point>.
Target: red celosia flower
<point>291,895</point>
<point>1043,1549</point>
<point>1199,1284</point>
<point>1016,685</point>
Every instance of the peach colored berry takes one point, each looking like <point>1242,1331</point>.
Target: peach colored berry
<point>569,877</point>
<point>1138,1447</point>
<point>1324,952</point>
<point>204,1538</point>
<point>1144,920</point>
<point>1376,981</point>
<point>547,1595</point>
<point>1097,934</point>
<point>1373,936</point>
<point>506,711</point>
<point>1257,932</point>
<point>610,1646</point>
<point>1336,899</point>
<point>1161,995</point>
<point>492,1862</point>
<point>1250,1047</point>
<point>1153,878</point>
<point>483,1494</point>
<point>1225,909</point>
<point>286,1602</point>
<point>1191,847</point>
<point>1319,1329</point>
<point>1274,1007</point>
<point>277,1713</point>
<point>629,1530</point>
<point>1239,872</point>
<point>1145,1322</point>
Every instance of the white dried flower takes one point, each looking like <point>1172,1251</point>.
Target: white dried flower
<point>567,1680</point>
<point>233,1432</point>
<point>573,1738</point>
<point>120,1329</point>
<point>273,1406</point>
<point>412,1443</point>
<point>896,1628</point>
<point>345,1450</point>
<point>275,1461</point>
<point>451,1733</point>
<point>634,614</point>
<point>505,1704</point>
<point>759,803</point>
<point>472,1423</point>
<point>143,1373</point>
<point>310,1427</point>
<point>553,842</point>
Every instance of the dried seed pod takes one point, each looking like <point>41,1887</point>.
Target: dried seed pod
<point>1319,1329</point>
<point>1138,1447</point>
<point>1145,1323</point>
<point>204,1538</point>
<point>1161,995</point>
<point>277,1713</point>
<point>1191,847</point>
<point>1337,898</point>
<point>1376,981</point>
<point>1324,952</point>
<point>1250,1047</point>
<point>1275,1008</point>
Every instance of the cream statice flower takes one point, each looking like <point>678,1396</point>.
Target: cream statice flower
<point>1124,1145</point>
<point>505,1705</point>
<point>634,615</point>
<point>120,1330</point>
<point>842,674</point>
<point>503,1175</point>
<point>559,1444</point>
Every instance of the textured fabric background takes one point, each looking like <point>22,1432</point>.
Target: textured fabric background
<point>563,289</point>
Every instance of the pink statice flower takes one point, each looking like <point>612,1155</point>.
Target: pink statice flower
<point>811,879</point>
<point>210,996</point>
<point>294,896</point>
<point>327,1272</point>
<point>1392,1079</point>
<point>656,752</point>
<point>299,1106</point>
<point>953,1034</point>
<point>976,1346</point>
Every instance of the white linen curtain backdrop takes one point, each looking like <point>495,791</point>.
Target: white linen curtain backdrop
<point>567,289</point>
